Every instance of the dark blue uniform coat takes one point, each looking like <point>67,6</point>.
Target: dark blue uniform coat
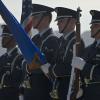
<point>10,75</point>
<point>40,84</point>
<point>91,72</point>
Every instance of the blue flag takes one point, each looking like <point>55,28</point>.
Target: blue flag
<point>27,47</point>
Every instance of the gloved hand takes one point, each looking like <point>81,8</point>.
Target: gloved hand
<point>45,68</point>
<point>80,93</point>
<point>78,63</point>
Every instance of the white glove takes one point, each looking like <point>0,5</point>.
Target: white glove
<point>78,63</point>
<point>45,68</point>
<point>80,93</point>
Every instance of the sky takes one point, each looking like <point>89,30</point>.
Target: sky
<point>15,7</point>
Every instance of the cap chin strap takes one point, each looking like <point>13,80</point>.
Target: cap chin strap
<point>8,42</point>
<point>96,33</point>
<point>66,25</point>
<point>39,21</point>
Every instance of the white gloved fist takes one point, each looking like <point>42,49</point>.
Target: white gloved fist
<point>45,68</point>
<point>78,63</point>
<point>80,93</point>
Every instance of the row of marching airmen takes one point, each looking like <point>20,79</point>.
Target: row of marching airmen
<point>51,81</point>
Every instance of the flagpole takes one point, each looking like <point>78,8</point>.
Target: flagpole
<point>75,73</point>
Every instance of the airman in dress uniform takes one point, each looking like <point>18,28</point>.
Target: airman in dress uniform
<point>10,68</point>
<point>48,44</point>
<point>90,64</point>
<point>61,71</point>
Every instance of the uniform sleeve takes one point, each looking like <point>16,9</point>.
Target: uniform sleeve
<point>88,55</point>
<point>50,48</point>
<point>17,75</point>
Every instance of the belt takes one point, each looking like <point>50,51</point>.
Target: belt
<point>3,86</point>
<point>7,86</point>
<point>93,83</point>
<point>89,82</point>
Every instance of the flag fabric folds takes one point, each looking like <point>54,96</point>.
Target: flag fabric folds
<point>26,16</point>
<point>27,47</point>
